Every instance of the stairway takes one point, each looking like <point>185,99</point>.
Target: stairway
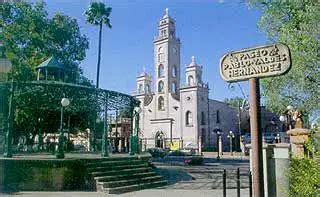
<point>120,175</point>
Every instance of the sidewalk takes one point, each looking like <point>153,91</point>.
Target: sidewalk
<point>142,193</point>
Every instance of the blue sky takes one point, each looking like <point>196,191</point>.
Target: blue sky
<point>207,29</point>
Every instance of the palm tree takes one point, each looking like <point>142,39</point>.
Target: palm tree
<point>98,14</point>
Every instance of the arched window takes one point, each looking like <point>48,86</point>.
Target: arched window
<point>188,118</point>
<point>161,103</point>
<point>174,87</point>
<point>203,118</point>
<point>190,80</point>
<point>160,55</point>
<point>160,86</point>
<point>148,90</point>
<point>174,71</point>
<point>161,71</point>
<point>140,87</point>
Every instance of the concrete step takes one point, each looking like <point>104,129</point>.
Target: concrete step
<point>133,181</point>
<point>108,159</point>
<point>130,188</point>
<point>117,172</point>
<point>114,163</point>
<point>124,177</point>
<point>116,167</point>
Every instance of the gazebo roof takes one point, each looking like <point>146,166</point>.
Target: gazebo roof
<point>52,62</point>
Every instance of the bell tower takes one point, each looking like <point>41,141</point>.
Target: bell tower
<point>144,83</point>
<point>167,60</point>
<point>193,73</point>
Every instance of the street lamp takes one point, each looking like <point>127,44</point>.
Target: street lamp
<point>134,138</point>
<point>231,137</point>
<point>286,118</point>
<point>277,138</point>
<point>289,107</point>
<point>60,153</point>
<point>40,139</point>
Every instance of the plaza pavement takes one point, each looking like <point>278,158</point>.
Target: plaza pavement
<point>142,193</point>
<point>181,183</point>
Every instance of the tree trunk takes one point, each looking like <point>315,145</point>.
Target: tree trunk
<point>99,55</point>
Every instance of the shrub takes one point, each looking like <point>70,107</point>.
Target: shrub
<point>177,153</point>
<point>304,173</point>
<point>194,160</point>
<point>157,152</point>
<point>209,149</point>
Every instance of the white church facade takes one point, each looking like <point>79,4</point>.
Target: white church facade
<point>174,113</point>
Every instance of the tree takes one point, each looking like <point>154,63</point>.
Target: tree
<point>98,14</point>
<point>295,23</point>
<point>235,102</point>
<point>30,37</point>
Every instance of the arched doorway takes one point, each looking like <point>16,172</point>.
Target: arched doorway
<point>159,140</point>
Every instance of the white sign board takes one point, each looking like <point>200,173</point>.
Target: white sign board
<point>262,61</point>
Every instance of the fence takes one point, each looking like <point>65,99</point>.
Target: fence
<point>238,182</point>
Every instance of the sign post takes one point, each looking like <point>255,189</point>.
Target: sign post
<point>252,64</point>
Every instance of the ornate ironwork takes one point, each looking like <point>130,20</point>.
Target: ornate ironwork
<point>46,95</point>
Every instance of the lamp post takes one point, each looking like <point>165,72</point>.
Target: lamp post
<point>286,118</point>
<point>40,139</point>
<point>60,153</point>
<point>106,126</point>
<point>218,144</point>
<point>11,110</point>
<point>231,137</point>
<point>134,138</point>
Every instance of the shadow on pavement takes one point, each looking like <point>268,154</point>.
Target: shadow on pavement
<point>174,176</point>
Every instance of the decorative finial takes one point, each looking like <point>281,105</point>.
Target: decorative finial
<point>193,60</point>
<point>167,12</point>
<point>144,69</point>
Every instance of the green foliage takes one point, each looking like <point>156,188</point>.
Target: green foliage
<point>209,149</point>
<point>304,173</point>
<point>295,23</point>
<point>98,14</point>
<point>30,37</point>
<point>157,152</point>
<point>43,101</point>
<point>234,102</point>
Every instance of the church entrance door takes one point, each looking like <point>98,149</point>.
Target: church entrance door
<point>159,138</point>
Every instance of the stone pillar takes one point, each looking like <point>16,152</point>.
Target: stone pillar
<point>281,153</point>
<point>199,145</point>
<point>220,146</point>
<point>298,137</point>
<point>275,166</point>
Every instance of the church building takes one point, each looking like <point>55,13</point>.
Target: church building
<point>175,113</point>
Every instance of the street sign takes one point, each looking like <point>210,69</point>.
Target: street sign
<point>252,64</point>
<point>256,62</point>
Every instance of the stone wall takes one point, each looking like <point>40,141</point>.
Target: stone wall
<point>42,175</point>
